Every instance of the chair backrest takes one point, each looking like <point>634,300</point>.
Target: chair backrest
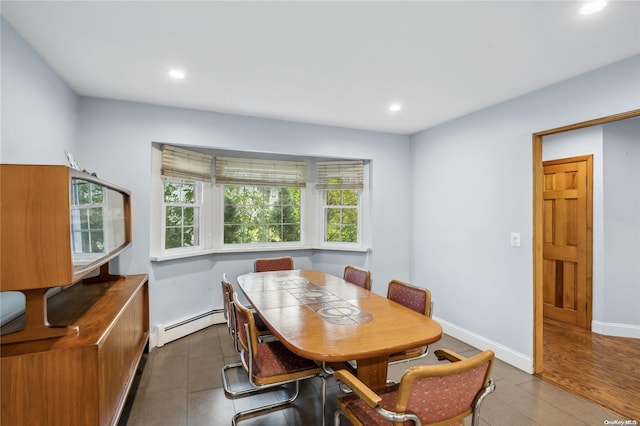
<point>227,298</point>
<point>445,392</point>
<point>273,264</point>
<point>416,298</point>
<point>245,317</point>
<point>357,276</point>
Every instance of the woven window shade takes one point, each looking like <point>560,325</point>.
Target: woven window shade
<point>185,164</point>
<point>340,175</point>
<point>251,171</point>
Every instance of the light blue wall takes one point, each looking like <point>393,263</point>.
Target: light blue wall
<point>39,110</point>
<point>469,186</point>
<point>116,142</point>
<point>622,227</point>
<point>38,118</point>
<point>473,186</point>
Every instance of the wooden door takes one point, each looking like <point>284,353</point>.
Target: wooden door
<point>567,250</point>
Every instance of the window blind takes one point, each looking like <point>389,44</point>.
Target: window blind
<point>185,164</point>
<point>340,174</point>
<point>251,171</point>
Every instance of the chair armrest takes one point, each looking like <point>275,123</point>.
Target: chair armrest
<point>449,355</point>
<point>371,398</point>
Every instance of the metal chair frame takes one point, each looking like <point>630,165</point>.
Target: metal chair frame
<point>247,365</point>
<point>373,400</point>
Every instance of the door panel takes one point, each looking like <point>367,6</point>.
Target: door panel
<point>566,245</point>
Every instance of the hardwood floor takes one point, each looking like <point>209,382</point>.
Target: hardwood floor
<point>602,369</point>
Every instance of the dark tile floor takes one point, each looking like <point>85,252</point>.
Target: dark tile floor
<point>182,385</point>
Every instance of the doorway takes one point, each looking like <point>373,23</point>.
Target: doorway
<point>568,240</point>
<point>538,228</point>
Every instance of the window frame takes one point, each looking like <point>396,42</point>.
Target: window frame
<point>312,216</point>
<point>323,193</point>
<point>199,218</point>
<point>265,245</point>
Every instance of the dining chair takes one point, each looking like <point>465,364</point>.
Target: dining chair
<point>357,276</point>
<point>417,299</point>
<point>268,364</point>
<point>273,264</point>
<point>227,299</point>
<point>441,394</point>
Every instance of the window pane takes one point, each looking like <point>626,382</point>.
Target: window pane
<point>182,213</point>
<point>188,193</point>
<point>349,234</point>
<point>333,233</point>
<point>171,192</point>
<point>173,216</point>
<point>96,194</point>
<point>95,218</point>
<point>188,216</point>
<point>333,216</point>
<point>97,242</point>
<point>334,197</point>
<point>173,238</point>
<point>232,233</point>
<point>84,193</point>
<point>349,197</point>
<point>262,211</point>
<point>350,216</point>
<point>291,233</point>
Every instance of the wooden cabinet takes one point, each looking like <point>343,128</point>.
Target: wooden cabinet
<point>60,227</point>
<point>79,379</point>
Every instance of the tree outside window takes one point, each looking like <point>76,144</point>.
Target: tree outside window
<point>261,214</point>
<point>341,215</point>
<point>181,210</point>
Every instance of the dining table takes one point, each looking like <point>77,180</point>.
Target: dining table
<point>331,321</point>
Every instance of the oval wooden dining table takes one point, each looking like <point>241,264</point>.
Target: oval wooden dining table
<point>324,318</point>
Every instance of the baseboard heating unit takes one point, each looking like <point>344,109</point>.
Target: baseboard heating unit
<point>169,332</point>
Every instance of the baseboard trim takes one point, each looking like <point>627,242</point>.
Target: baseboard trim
<point>180,330</point>
<point>503,353</point>
<point>616,329</point>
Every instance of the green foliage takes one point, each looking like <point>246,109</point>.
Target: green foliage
<point>258,214</point>
<point>342,215</point>
<point>181,224</point>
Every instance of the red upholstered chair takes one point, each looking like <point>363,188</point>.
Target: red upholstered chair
<point>268,364</point>
<point>416,298</point>
<point>227,298</point>
<point>273,264</point>
<point>442,394</point>
<point>357,276</point>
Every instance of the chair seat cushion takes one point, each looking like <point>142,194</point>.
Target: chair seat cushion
<point>436,405</point>
<point>276,363</point>
<point>366,415</point>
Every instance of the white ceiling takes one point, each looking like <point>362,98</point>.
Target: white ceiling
<point>332,62</point>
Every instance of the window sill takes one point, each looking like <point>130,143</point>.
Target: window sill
<point>205,252</point>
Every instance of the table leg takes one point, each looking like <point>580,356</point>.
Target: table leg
<point>373,371</point>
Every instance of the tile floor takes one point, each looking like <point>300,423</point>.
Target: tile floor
<point>182,386</point>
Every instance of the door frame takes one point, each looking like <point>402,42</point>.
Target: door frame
<point>538,284</point>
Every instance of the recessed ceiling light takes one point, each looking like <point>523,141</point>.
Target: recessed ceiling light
<point>177,74</point>
<point>394,107</point>
<point>592,7</point>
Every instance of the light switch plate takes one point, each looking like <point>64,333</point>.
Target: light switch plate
<point>515,239</point>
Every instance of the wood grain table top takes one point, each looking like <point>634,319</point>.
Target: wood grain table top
<point>324,318</point>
